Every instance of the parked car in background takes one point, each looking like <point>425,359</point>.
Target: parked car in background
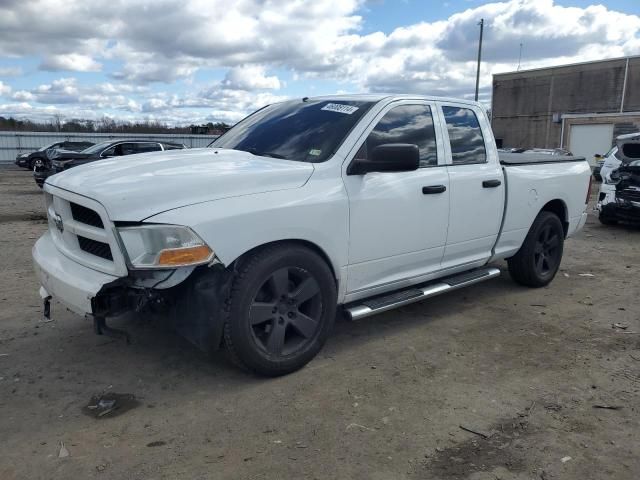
<point>363,202</point>
<point>600,160</point>
<point>61,160</point>
<point>29,160</point>
<point>619,195</point>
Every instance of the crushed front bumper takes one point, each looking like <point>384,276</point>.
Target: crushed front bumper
<point>194,306</point>
<point>70,283</point>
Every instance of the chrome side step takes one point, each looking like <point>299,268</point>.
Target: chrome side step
<point>382,303</point>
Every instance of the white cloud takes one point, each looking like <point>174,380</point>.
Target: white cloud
<point>5,90</point>
<point>250,77</point>
<point>23,96</point>
<point>10,71</point>
<point>71,62</point>
<point>159,43</point>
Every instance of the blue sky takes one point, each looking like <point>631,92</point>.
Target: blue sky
<point>191,61</point>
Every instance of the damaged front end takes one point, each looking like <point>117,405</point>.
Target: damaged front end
<point>190,300</point>
<point>627,196</point>
<point>619,198</point>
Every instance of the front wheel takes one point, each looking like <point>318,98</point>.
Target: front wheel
<point>280,309</point>
<point>538,259</point>
<point>607,219</point>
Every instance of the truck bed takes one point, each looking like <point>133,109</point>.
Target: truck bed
<point>529,158</point>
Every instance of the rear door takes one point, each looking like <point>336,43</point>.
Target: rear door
<point>398,220</point>
<point>477,189</point>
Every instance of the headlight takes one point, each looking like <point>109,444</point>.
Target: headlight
<point>164,246</point>
<point>59,163</point>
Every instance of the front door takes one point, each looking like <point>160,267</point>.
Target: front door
<point>398,220</point>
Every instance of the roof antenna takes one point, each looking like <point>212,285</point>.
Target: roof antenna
<point>304,99</point>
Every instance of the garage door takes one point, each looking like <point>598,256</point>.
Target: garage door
<point>588,140</point>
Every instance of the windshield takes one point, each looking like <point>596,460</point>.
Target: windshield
<point>302,130</point>
<point>613,151</point>
<point>47,147</point>
<point>98,147</point>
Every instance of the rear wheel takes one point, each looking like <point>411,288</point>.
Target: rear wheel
<point>280,310</point>
<point>538,260</point>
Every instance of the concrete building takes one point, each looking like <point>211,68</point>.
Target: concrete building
<point>580,107</point>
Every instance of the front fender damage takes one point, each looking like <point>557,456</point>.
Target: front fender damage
<point>191,301</point>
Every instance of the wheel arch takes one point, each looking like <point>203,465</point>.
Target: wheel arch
<point>559,208</point>
<point>293,241</point>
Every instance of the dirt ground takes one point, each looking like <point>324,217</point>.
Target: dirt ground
<point>387,398</point>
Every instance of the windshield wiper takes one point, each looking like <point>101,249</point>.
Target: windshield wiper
<point>255,151</point>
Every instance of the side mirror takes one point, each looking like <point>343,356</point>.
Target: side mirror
<point>389,157</point>
<point>597,155</point>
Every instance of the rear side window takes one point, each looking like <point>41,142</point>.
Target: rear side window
<point>146,147</point>
<point>411,124</point>
<point>128,148</point>
<point>172,146</point>
<point>465,136</point>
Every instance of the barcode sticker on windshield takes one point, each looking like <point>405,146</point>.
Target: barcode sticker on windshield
<point>340,108</point>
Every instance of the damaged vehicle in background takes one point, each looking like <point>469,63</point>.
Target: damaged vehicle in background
<point>619,195</point>
<point>360,202</point>
<point>40,156</point>
<point>61,160</point>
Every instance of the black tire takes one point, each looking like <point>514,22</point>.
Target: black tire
<point>280,310</point>
<point>607,219</point>
<point>32,162</point>
<point>539,257</point>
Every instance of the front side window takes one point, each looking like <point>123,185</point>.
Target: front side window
<point>465,135</point>
<point>304,130</point>
<point>411,124</point>
<point>114,151</point>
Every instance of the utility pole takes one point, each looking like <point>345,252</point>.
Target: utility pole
<point>479,56</point>
<point>519,58</point>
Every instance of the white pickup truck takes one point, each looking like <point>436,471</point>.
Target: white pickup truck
<point>363,203</point>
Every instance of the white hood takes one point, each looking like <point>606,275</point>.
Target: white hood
<point>135,187</point>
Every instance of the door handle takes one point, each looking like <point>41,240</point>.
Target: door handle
<point>433,189</point>
<point>491,183</point>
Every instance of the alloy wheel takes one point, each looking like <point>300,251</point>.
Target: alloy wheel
<point>285,313</point>
<point>547,250</point>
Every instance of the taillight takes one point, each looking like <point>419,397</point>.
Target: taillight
<point>589,189</point>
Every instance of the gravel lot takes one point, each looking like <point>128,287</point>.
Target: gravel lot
<point>385,399</point>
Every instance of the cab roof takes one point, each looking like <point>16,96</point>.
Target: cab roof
<point>376,97</point>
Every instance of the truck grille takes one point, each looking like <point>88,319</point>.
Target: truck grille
<point>85,215</point>
<point>99,249</point>
<point>82,231</point>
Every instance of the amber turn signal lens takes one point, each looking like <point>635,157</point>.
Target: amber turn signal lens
<point>184,256</point>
